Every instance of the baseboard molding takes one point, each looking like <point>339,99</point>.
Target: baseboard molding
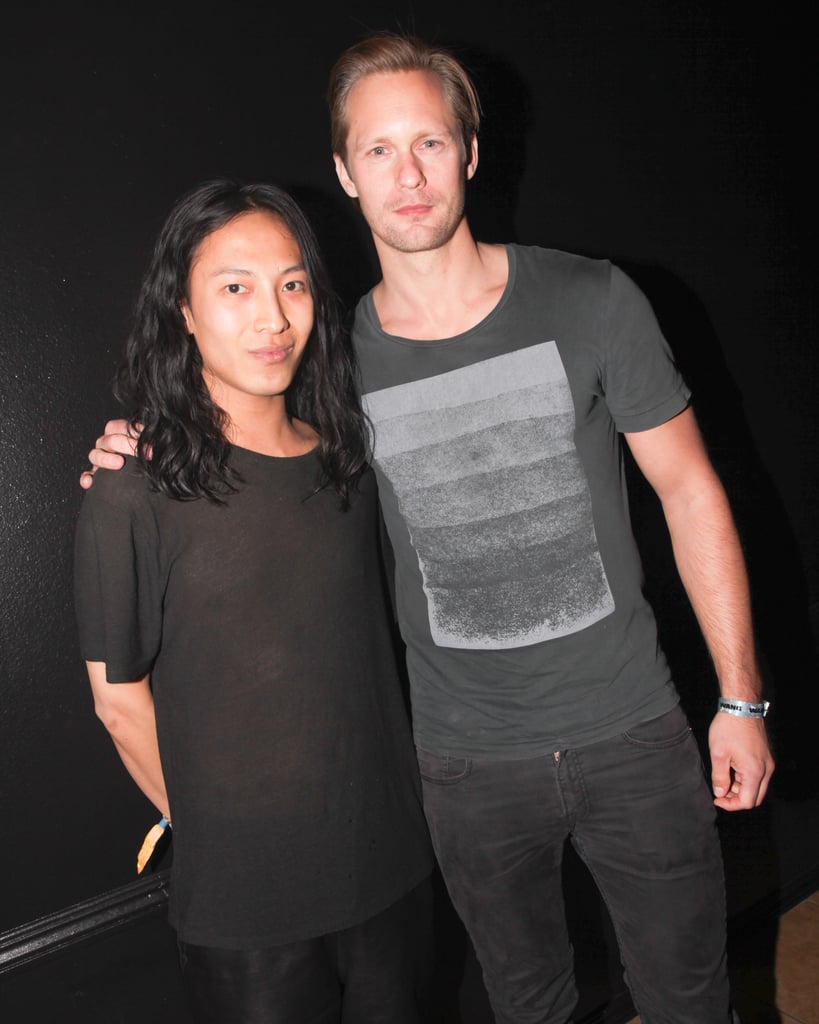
<point>82,921</point>
<point>776,903</point>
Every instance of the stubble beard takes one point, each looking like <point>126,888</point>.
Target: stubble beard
<point>417,238</point>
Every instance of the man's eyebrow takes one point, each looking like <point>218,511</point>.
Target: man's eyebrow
<point>231,270</point>
<point>219,271</point>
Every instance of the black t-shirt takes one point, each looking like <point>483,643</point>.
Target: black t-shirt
<point>283,733</point>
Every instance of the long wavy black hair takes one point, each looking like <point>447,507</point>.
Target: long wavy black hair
<point>182,444</point>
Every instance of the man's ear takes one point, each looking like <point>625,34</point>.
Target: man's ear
<point>472,158</point>
<point>187,317</point>
<point>344,178</point>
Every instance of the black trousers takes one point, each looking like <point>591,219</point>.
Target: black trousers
<point>375,972</point>
<point>639,812</point>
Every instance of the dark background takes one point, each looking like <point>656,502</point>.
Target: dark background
<point>671,136</point>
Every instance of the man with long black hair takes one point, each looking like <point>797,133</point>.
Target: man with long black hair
<point>233,621</point>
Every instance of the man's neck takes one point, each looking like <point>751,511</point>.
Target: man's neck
<point>262,425</point>
<point>439,293</point>
<point>285,441</point>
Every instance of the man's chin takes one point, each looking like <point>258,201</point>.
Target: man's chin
<point>418,238</point>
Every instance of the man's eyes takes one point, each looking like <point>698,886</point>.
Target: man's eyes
<point>289,286</point>
<point>426,144</point>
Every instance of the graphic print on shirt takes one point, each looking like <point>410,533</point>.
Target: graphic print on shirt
<point>484,467</point>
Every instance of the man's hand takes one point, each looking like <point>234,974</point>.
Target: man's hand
<point>741,761</point>
<point>117,437</point>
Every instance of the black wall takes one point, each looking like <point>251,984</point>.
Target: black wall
<point>671,136</point>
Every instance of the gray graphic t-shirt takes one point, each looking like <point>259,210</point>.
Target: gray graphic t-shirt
<point>518,583</point>
<point>495,500</point>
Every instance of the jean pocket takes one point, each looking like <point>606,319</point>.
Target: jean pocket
<point>668,730</point>
<point>442,769</point>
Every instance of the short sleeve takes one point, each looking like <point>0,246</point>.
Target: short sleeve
<point>641,382</point>
<point>117,577</point>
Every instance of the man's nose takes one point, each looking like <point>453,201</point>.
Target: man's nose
<point>270,316</point>
<point>410,173</point>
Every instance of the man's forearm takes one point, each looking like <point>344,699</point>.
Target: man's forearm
<point>127,712</point>
<point>711,565</point>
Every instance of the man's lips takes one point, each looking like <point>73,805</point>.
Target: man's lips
<point>271,354</point>
<point>414,210</point>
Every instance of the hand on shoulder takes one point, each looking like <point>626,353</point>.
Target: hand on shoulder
<point>116,441</point>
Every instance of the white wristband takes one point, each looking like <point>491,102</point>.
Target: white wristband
<point>743,708</point>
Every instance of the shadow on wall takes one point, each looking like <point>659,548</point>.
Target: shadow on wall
<point>779,590</point>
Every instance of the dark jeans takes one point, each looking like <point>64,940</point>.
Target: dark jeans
<point>372,973</point>
<point>639,813</point>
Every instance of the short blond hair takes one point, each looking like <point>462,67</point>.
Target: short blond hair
<point>387,52</point>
